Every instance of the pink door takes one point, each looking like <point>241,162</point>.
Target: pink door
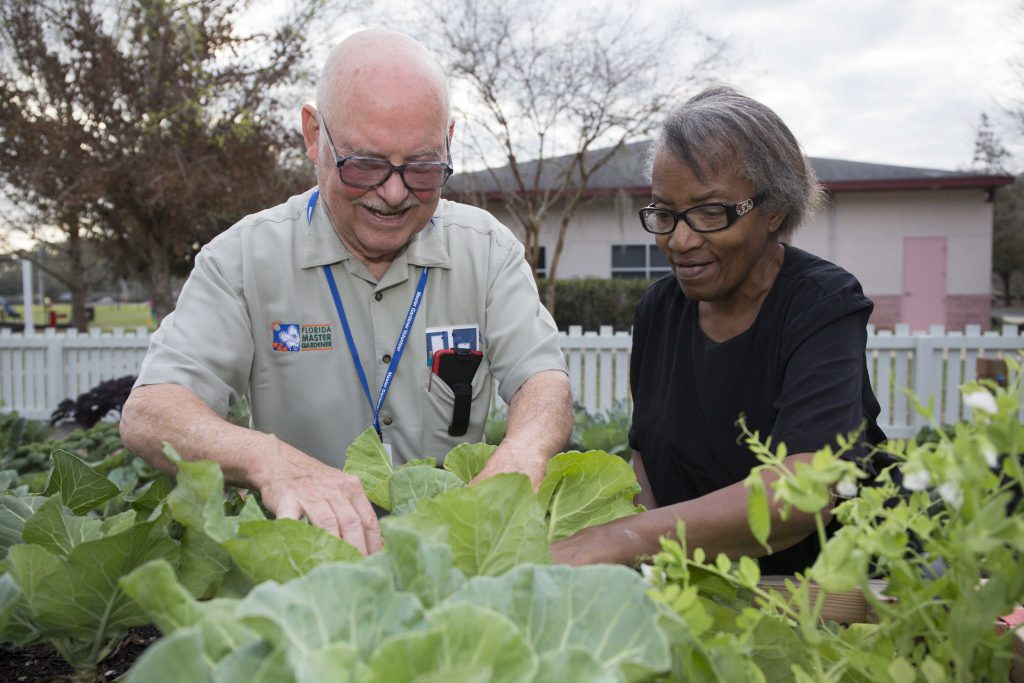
<point>924,282</point>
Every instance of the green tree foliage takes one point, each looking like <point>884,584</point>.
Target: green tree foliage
<point>1008,235</point>
<point>991,156</point>
<point>152,124</point>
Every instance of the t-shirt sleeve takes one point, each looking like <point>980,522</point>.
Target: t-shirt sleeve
<point>522,338</point>
<point>824,372</point>
<point>205,344</point>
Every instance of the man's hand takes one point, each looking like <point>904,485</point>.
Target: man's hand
<point>291,483</point>
<point>539,424</point>
<point>508,459</point>
<point>296,486</point>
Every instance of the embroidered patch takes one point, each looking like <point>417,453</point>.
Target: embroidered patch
<point>291,337</point>
<point>454,337</point>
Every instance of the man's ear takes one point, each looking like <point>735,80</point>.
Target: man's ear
<point>451,130</point>
<point>311,131</point>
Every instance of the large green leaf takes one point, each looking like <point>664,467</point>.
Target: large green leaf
<point>573,665</point>
<point>367,459</point>
<point>9,594</point>
<point>172,609</point>
<point>78,599</point>
<point>463,641</point>
<point>335,602</point>
<point>59,533</point>
<point>255,662</point>
<point>172,659</point>
<point>586,489</point>
<point>492,526</point>
<point>81,487</point>
<point>417,563</point>
<point>409,484</point>
<point>468,459</point>
<point>149,497</point>
<point>285,549</point>
<point>15,510</point>
<point>601,609</point>
<point>204,564</point>
<point>9,479</point>
<point>338,662</point>
<point>198,500</point>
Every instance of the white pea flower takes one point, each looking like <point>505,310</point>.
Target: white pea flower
<point>918,480</point>
<point>846,488</point>
<point>981,400</point>
<point>647,571</point>
<point>952,494</point>
<point>989,452</point>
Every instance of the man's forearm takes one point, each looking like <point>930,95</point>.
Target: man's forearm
<point>540,414</point>
<point>539,425</point>
<point>160,413</point>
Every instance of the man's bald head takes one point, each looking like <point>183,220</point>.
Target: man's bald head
<point>377,58</point>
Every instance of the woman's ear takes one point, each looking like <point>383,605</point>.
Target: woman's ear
<point>775,221</point>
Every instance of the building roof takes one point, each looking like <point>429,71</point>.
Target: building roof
<point>626,172</point>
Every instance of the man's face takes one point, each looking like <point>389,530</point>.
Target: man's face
<point>387,123</point>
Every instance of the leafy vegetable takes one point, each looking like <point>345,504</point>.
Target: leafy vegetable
<point>586,489</point>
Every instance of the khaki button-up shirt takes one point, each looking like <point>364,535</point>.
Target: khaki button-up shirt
<point>256,318</point>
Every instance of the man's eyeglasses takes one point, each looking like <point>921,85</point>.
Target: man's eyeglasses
<point>703,218</point>
<point>371,172</point>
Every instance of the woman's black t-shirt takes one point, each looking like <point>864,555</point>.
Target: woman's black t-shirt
<point>798,374</point>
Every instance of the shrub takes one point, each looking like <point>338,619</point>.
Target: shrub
<point>92,406</point>
<point>592,302</point>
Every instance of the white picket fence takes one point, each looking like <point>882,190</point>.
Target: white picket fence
<point>38,372</point>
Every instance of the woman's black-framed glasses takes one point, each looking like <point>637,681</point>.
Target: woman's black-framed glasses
<point>370,172</point>
<point>703,218</point>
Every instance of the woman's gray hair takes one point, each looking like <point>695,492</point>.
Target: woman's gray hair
<point>720,128</point>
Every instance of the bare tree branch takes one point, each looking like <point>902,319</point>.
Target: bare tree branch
<point>555,92</point>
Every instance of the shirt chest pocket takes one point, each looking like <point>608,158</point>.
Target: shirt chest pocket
<point>439,405</point>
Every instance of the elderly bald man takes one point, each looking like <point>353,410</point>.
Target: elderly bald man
<point>367,301</point>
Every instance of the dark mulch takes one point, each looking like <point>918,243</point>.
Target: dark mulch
<point>42,663</point>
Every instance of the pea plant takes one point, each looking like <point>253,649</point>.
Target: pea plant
<point>942,527</point>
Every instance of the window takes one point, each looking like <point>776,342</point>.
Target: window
<point>638,261</point>
<point>542,261</point>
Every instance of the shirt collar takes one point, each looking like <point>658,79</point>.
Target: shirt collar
<point>323,246</point>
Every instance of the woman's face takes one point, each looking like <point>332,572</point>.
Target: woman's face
<point>711,266</point>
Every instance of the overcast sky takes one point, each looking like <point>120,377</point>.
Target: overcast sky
<point>900,82</point>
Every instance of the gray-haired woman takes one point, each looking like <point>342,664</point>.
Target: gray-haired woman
<point>745,325</point>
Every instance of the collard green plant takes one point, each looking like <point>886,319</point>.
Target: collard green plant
<point>370,622</point>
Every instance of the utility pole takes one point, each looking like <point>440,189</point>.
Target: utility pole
<point>28,315</point>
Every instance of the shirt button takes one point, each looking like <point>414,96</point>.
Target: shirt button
<point>378,296</point>
<point>386,419</point>
<point>386,358</point>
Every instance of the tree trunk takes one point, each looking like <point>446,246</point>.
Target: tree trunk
<point>161,300</point>
<point>76,275</point>
<point>1005,276</point>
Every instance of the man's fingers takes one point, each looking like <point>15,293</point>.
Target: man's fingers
<point>371,526</point>
<point>320,513</point>
<point>349,524</point>
<point>288,509</point>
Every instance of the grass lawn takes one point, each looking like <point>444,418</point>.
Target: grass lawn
<point>128,316</point>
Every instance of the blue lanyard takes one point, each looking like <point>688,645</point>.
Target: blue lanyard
<point>414,308</point>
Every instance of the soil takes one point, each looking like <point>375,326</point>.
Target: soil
<point>42,663</point>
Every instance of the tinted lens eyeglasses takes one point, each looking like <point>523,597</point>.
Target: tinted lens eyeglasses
<point>370,172</point>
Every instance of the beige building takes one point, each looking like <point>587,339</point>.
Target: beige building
<point>919,240</point>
